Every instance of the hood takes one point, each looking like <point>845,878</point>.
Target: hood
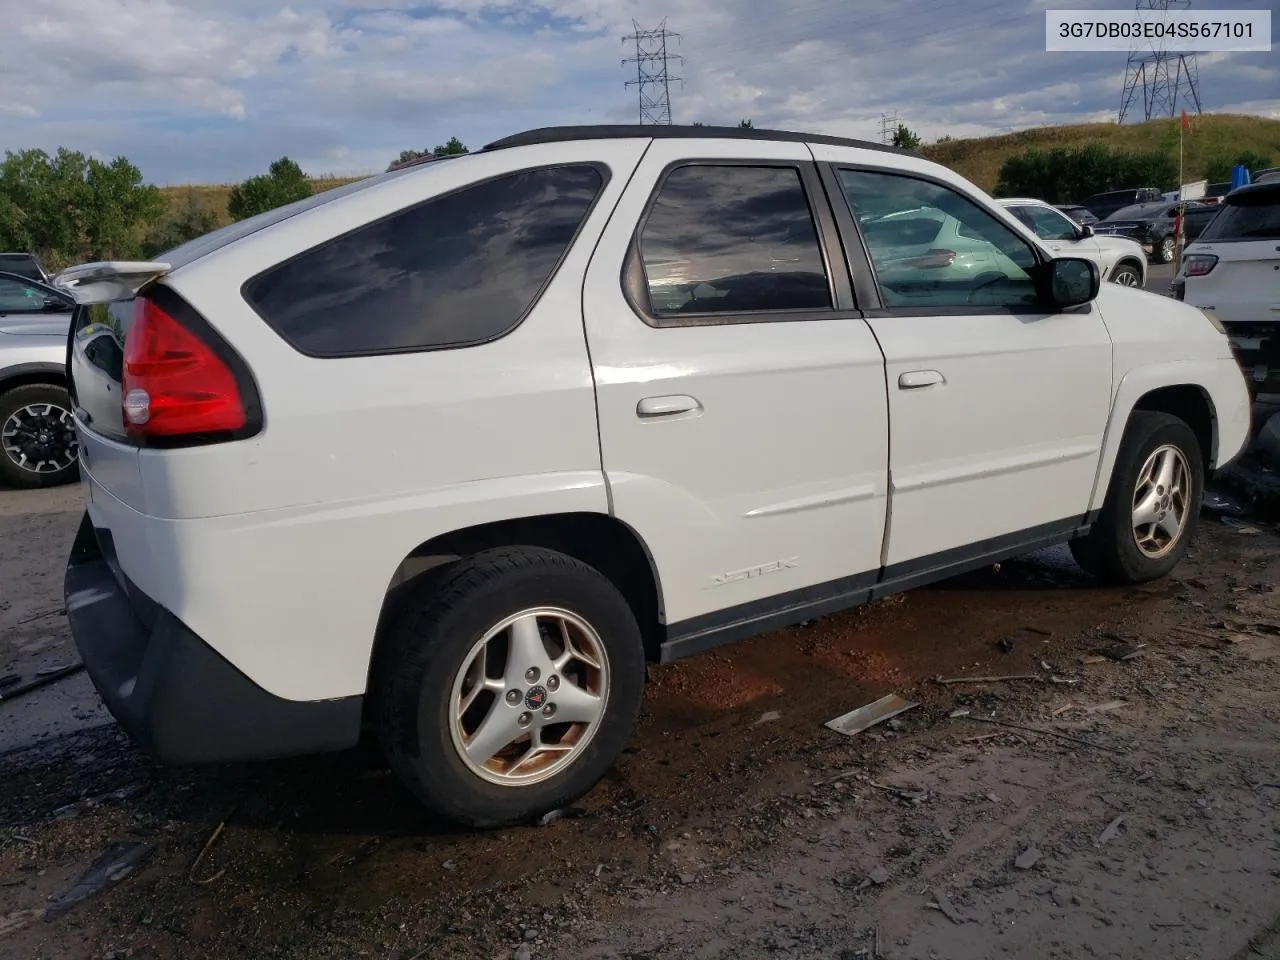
<point>36,325</point>
<point>1158,326</point>
<point>1118,244</point>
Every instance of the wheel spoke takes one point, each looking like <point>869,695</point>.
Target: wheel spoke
<point>1144,513</point>
<point>1171,525</point>
<point>526,650</point>
<point>575,705</point>
<point>496,731</point>
<point>572,652</point>
<point>1165,472</point>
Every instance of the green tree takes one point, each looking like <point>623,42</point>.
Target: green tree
<point>1064,175</point>
<point>453,148</point>
<point>746,124</point>
<point>190,220</point>
<point>1219,168</point>
<point>283,183</point>
<point>70,207</point>
<point>906,138</point>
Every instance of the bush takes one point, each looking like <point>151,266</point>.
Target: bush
<point>189,221</point>
<point>1071,174</point>
<point>283,183</point>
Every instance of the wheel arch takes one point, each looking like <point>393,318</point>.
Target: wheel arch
<point>603,542</point>
<point>1129,260</point>
<point>1143,389</point>
<point>26,374</point>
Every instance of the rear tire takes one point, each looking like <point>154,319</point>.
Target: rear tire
<point>1165,250</point>
<point>1122,550</point>
<point>38,445</point>
<point>483,658</point>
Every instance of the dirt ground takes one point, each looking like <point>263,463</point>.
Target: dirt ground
<point>1101,808</point>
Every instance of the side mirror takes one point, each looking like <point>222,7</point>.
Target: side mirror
<point>1086,232</point>
<point>54,305</point>
<point>1070,282</point>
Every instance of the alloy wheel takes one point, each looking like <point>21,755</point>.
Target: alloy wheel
<point>1161,502</point>
<point>40,438</point>
<point>529,697</point>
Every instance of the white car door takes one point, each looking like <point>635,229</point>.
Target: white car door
<point>743,418</point>
<point>997,405</point>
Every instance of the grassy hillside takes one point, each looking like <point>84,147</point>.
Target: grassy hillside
<point>980,159</point>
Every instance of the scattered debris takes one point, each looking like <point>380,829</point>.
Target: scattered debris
<point>52,676</point>
<point>1039,630</point>
<point>1065,681</point>
<point>768,717</point>
<point>1027,859</point>
<point>13,922</point>
<point>204,851</point>
<point>1093,658</point>
<point>855,721</point>
<point>116,862</point>
<point>40,616</point>
<point>983,736</point>
<point>878,875</point>
<point>562,813</point>
<point>1016,676</point>
<point>1005,644</point>
<point>1220,503</point>
<point>962,712</point>
<point>1045,733</point>
<point>1107,707</point>
<point>1239,525</point>
<point>1112,831</point>
<point>1122,651</point>
<point>947,907</point>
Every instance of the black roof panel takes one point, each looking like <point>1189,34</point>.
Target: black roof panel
<point>606,131</point>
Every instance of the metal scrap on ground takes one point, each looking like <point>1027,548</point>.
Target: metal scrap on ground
<point>117,862</point>
<point>855,721</point>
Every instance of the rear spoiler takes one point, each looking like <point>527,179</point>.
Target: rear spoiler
<point>107,280</point>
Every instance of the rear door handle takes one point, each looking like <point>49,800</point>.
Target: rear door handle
<point>651,407</point>
<point>916,379</point>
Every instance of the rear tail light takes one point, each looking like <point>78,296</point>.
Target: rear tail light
<point>181,385</point>
<point>1198,264</point>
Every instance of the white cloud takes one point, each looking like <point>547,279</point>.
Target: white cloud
<point>192,89</point>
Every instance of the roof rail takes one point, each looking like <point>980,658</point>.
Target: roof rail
<point>606,131</point>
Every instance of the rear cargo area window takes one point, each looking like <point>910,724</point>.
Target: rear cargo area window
<point>459,269</point>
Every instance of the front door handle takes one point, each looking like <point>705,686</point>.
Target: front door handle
<point>651,407</point>
<point>916,379</point>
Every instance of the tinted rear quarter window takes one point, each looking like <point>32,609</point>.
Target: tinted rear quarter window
<point>458,269</point>
<point>732,239</point>
<point>1250,216</point>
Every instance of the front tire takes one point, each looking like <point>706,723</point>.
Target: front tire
<point>511,688</point>
<point>1127,275</point>
<point>1152,504</point>
<point>38,446</point>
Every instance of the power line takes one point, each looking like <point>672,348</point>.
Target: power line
<point>653,79</point>
<point>1165,78</point>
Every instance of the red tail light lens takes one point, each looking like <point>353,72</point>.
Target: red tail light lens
<point>175,384</point>
<point>1198,264</point>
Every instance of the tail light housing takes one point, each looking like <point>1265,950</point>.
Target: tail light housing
<point>182,384</point>
<point>1198,264</point>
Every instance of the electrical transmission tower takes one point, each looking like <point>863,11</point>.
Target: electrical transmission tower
<point>1165,78</point>
<point>888,127</point>
<point>652,76</point>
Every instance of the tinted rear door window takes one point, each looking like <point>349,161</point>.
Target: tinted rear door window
<point>732,239</point>
<point>1254,216</point>
<point>455,270</point>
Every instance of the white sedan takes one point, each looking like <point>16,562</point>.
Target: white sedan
<point>1120,260</point>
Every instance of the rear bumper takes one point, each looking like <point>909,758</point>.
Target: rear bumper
<point>175,695</point>
<point>1257,349</point>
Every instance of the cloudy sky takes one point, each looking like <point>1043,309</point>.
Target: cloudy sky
<point>213,90</point>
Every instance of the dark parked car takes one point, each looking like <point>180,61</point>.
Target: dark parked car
<point>1102,205</point>
<point>26,265</point>
<point>1081,215</point>
<point>1152,225</point>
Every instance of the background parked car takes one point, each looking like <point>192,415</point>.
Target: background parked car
<point>37,436</point>
<point>1119,259</point>
<point>1153,225</point>
<point>24,265</point>
<point>1102,205</point>
<point>1233,271</point>
<point>1081,215</point>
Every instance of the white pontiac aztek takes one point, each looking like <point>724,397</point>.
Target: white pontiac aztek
<point>449,453</point>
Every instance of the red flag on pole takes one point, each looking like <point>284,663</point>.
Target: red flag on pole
<point>1186,122</point>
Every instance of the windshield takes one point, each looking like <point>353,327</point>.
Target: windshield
<point>1254,215</point>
